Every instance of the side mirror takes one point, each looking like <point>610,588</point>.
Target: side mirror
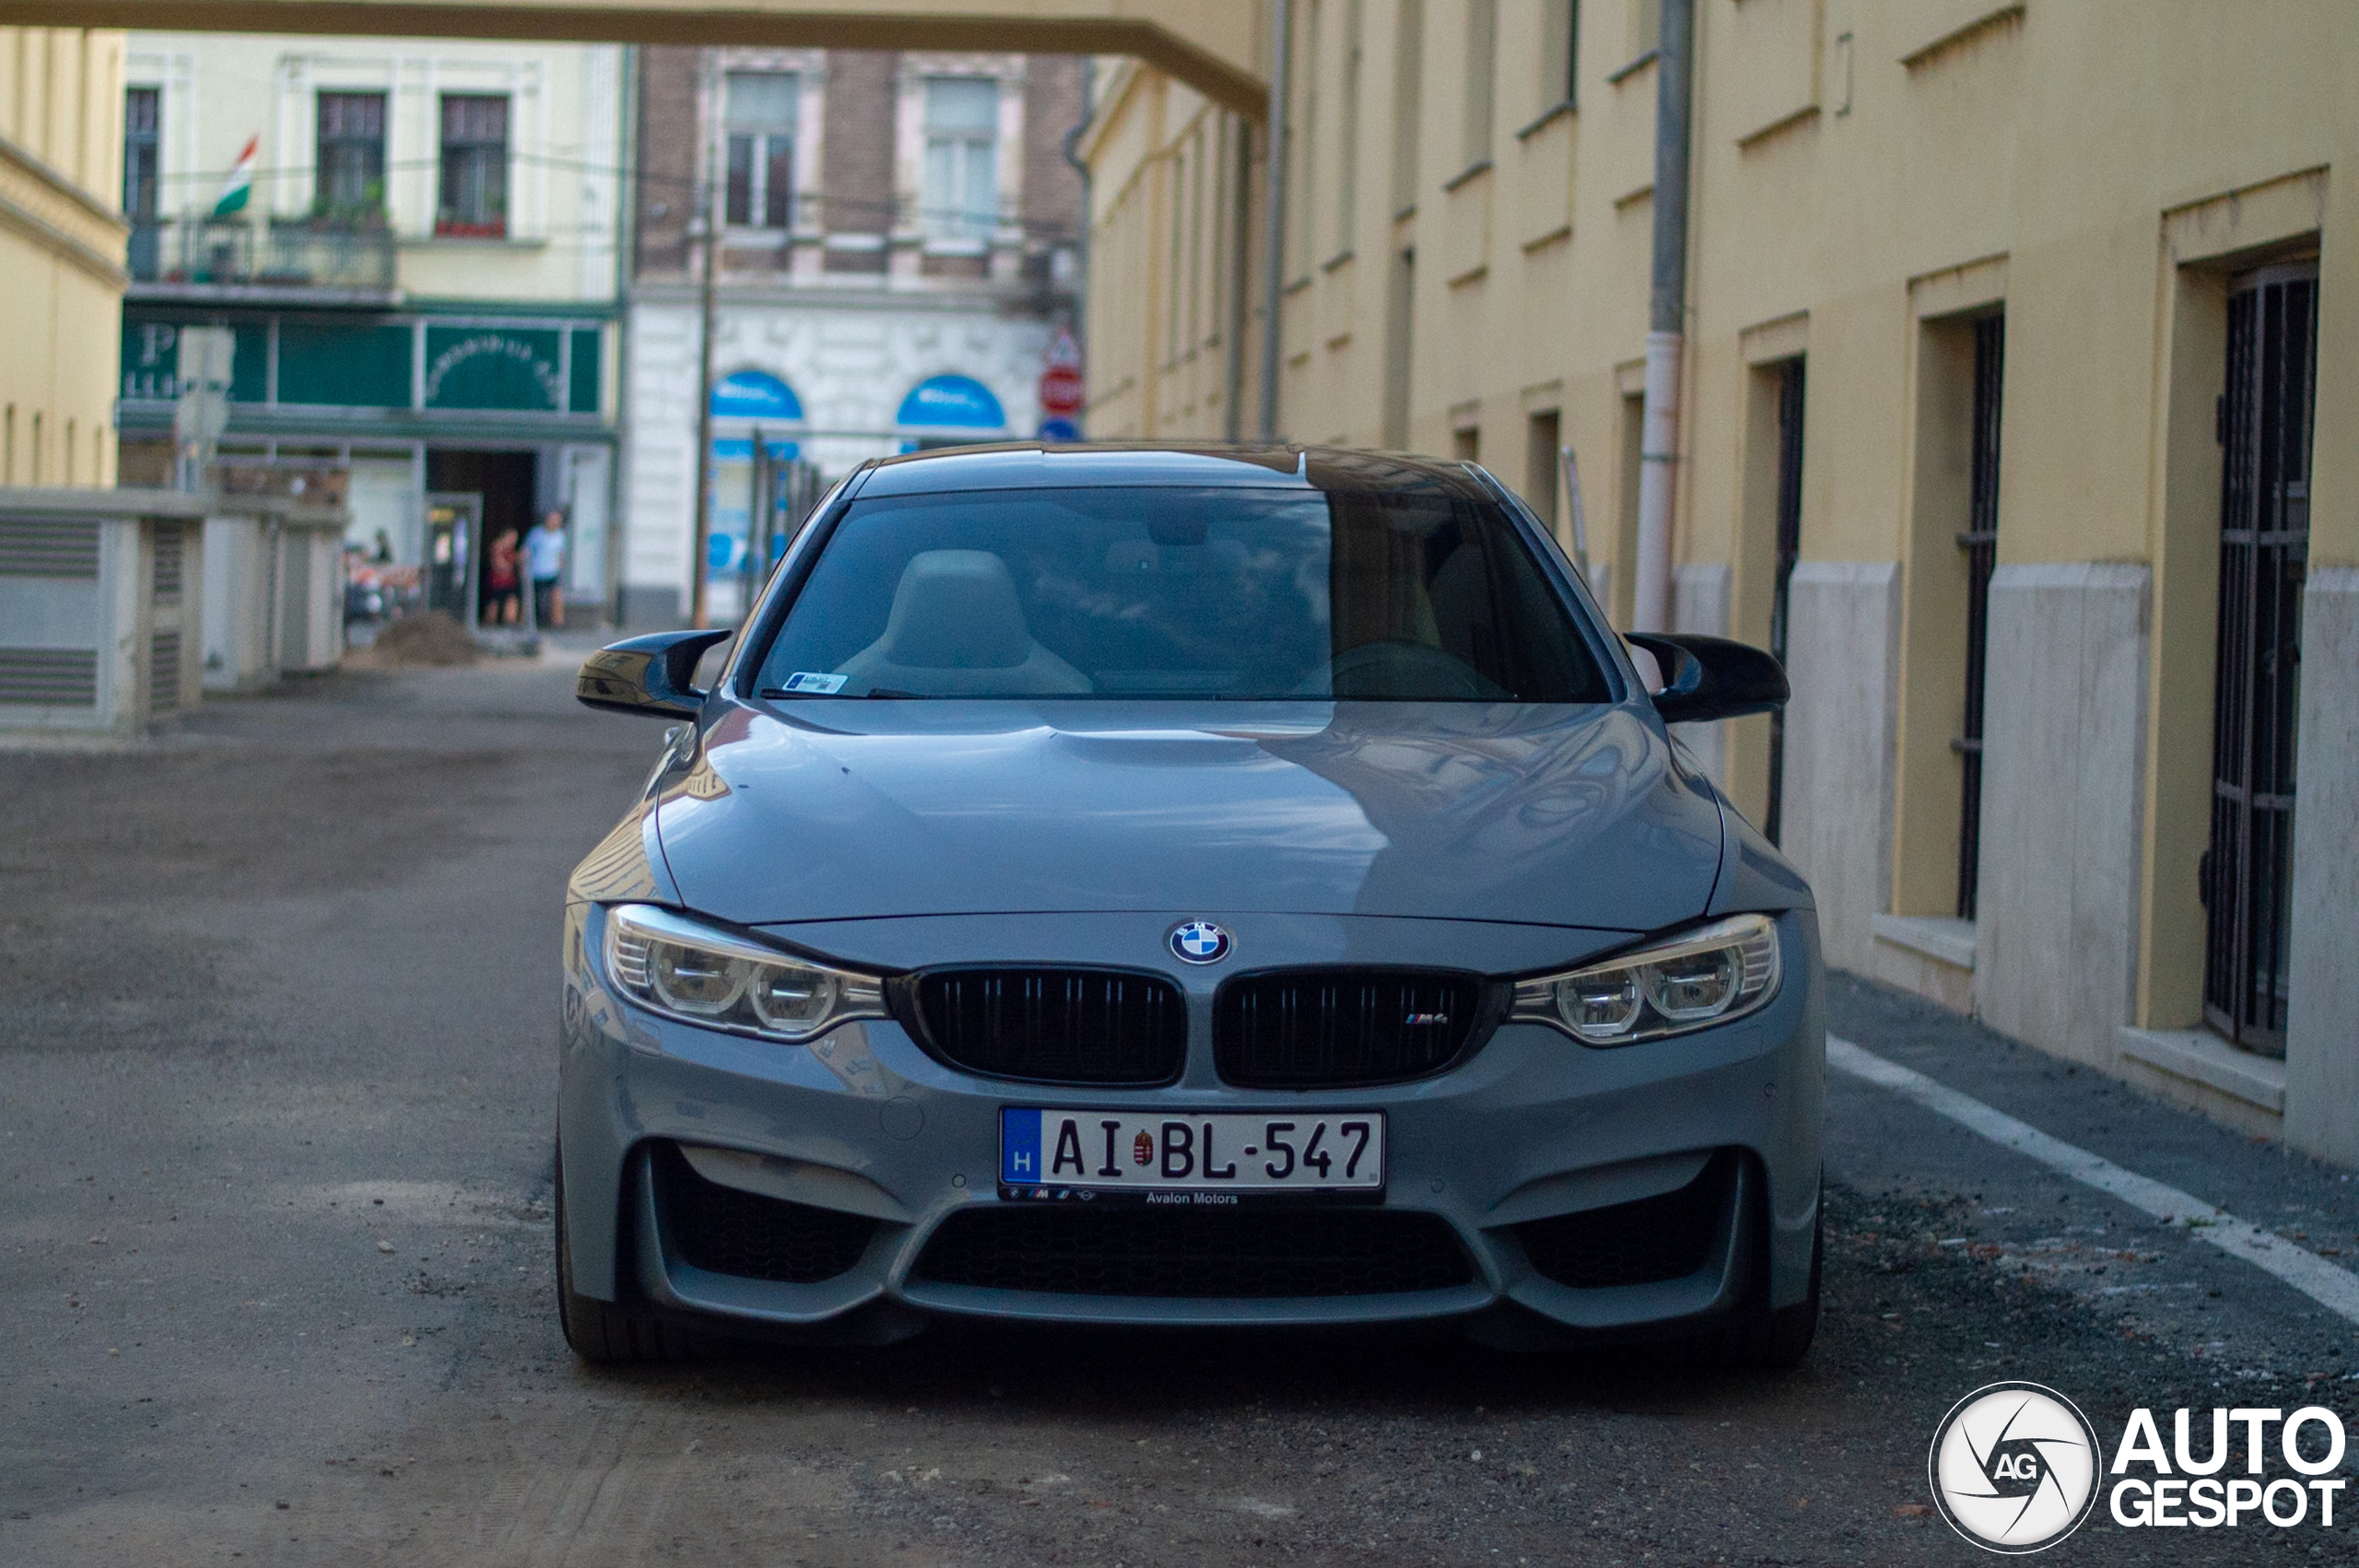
<point>1710,677</point>
<point>654,676</point>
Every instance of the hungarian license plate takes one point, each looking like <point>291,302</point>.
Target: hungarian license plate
<point>1062,1152</point>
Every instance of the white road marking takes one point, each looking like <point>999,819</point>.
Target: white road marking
<point>2335,1289</point>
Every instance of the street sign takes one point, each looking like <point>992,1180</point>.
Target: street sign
<point>1060,430</point>
<point>1061,390</point>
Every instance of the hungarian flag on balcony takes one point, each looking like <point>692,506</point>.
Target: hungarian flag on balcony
<point>241,183</point>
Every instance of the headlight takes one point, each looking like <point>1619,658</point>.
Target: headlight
<point>690,971</point>
<point>1713,974</point>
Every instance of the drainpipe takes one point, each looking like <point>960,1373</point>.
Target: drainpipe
<point>1275,257</point>
<point>1666,319</point>
<point>1081,237</point>
<point>626,251</point>
<point>1241,277</point>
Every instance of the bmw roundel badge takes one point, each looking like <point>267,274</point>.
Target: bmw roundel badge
<point>1199,941</point>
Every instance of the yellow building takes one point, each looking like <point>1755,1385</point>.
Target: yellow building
<point>2010,331</point>
<point>61,252</point>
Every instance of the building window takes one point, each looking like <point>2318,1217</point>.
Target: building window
<point>1981,543</point>
<point>351,155</point>
<point>142,121</point>
<point>960,194</point>
<point>760,121</point>
<point>142,115</point>
<point>473,202</point>
<point>1481,72</point>
<point>1560,47</point>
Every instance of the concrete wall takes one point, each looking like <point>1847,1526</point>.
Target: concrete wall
<point>2063,751</point>
<point>2321,1065</point>
<point>1842,642</point>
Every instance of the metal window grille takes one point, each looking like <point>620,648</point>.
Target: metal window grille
<point>1790,546</point>
<point>475,165</point>
<point>2246,878</point>
<point>1980,541</point>
<point>170,546</point>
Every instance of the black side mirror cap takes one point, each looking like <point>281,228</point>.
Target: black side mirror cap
<point>654,674</point>
<point>1710,677</point>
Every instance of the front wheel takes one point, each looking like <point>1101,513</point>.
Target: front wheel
<point>607,1333</point>
<point>1776,1340</point>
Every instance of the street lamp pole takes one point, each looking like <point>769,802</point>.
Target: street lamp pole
<point>702,227</point>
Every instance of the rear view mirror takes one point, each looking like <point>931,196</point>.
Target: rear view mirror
<point>1710,677</point>
<point>654,676</point>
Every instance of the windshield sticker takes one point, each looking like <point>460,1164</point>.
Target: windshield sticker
<point>806,680</point>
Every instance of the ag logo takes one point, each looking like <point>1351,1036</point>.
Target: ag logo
<point>2014,1467</point>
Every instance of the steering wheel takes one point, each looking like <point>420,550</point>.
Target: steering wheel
<point>1404,670</point>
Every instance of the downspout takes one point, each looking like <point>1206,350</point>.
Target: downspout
<point>1666,319</point>
<point>626,250</point>
<point>1240,276</point>
<point>1081,237</point>
<point>1274,256</point>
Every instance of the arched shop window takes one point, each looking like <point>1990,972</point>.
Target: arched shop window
<point>754,394</point>
<point>946,411</point>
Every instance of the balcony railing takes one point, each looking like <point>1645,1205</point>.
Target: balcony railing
<point>273,252</point>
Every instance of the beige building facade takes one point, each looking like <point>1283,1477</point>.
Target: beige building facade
<point>2017,412</point>
<point>62,242</point>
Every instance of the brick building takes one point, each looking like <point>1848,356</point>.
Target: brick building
<point>898,234</point>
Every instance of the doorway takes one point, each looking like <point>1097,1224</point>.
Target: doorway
<point>2247,875</point>
<point>1789,547</point>
<point>505,483</point>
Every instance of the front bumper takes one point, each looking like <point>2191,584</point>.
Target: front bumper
<point>1532,1128</point>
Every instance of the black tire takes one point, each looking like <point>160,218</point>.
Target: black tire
<point>612,1333</point>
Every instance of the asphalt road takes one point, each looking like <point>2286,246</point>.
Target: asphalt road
<point>276,1051</point>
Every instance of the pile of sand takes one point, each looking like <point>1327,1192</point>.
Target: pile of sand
<point>432,638</point>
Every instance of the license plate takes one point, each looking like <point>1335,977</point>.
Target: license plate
<point>1053,1153</point>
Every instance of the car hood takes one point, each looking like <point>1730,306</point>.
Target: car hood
<point>1549,815</point>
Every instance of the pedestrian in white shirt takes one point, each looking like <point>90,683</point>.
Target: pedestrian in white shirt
<point>544,557</point>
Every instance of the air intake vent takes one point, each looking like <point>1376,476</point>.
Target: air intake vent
<point>1664,1237</point>
<point>43,546</point>
<point>1056,1025</point>
<point>723,1231</point>
<point>49,677</point>
<point>1200,1253</point>
<point>1321,1028</point>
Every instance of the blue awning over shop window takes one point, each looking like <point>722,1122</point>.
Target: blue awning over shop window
<point>951,402</point>
<point>754,394</point>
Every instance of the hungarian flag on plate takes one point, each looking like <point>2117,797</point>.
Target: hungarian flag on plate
<point>241,183</point>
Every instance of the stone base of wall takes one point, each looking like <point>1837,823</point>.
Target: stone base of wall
<point>2062,803</point>
<point>2322,1032</point>
<point>1843,645</point>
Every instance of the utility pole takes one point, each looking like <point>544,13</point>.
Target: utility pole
<point>701,225</point>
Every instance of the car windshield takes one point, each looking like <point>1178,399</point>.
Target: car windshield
<point>1141,592</point>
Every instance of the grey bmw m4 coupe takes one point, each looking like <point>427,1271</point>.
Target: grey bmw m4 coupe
<point>1207,887</point>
